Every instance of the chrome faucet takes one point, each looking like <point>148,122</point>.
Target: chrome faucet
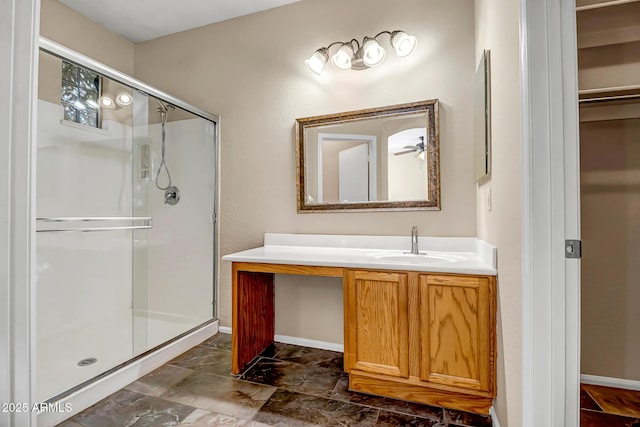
<point>414,240</point>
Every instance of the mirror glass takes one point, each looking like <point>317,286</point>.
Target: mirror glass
<point>382,158</point>
<point>481,119</point>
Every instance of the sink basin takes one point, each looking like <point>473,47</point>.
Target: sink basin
<point>410,258</point>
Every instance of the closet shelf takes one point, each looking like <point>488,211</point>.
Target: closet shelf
<point>600,4</point>
<point>608,94</point>
<point>609,37</point>
<point>613,25</point>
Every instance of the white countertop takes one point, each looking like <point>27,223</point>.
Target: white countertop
<point>463,255</point>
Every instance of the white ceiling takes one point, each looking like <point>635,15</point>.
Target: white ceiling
<point>140,20</point>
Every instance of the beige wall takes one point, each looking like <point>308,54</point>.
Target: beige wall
<point>610,205</point>
<point>63,25</point>
<point>251,71</point>
<point>497,30</point>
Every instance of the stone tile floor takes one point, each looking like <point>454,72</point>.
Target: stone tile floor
<point>287,386</point>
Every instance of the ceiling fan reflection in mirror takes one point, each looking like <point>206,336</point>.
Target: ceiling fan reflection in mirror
<point>418,149</point>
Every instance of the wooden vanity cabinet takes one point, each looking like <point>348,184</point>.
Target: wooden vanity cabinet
<point>377,323</point>
<point>423,337</point>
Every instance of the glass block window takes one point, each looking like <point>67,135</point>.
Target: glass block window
<point>80,94</point>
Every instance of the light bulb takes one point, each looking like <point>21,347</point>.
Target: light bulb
<point>403,43</point>
<point>124,99</point>
<point>106,102</point>
<point>342,58</point>
<point>373,53</point>
<point>317,60</point>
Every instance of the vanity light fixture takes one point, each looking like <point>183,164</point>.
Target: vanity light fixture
<point>360,56</point>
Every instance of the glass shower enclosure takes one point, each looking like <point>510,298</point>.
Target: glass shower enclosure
<point>125,203</point>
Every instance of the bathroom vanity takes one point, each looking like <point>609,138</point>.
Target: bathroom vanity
<point>417,327</point>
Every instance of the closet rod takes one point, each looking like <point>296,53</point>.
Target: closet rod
<point>615,93</point>
<point>611,98</point>
<point>604,4</point>
<point>609,89</point>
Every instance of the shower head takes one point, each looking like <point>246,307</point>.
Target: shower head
<point>164,108</point>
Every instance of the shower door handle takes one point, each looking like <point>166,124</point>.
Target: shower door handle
<point>147,223</point>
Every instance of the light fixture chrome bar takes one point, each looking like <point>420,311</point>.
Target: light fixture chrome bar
<point>96,218</point>
<point>84,230</point>
<point>73,56</point>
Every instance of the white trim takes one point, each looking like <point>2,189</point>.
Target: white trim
<point>94,392</point>
<point>549,304</point>
<point>371,141</point>
<point>610,382</point>
<point>286,339</point>
<point>570,177</point>
<point>494,417</point>
<point>304,342</point>
<point>18,91</point>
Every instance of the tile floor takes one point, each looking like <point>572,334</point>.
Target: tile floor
<point>610,407</point>
<point>287,386</point>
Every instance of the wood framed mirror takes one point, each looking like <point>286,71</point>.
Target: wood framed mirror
<point>366,160</point>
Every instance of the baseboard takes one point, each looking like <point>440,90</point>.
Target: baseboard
<point>494,417</point>
<point>309,343</point>
<point>304,342</point>
<point>98,390</point>
<point>610,382</point>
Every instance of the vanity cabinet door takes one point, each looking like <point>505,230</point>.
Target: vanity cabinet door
<point>457,338</point>
<point>376,322</point>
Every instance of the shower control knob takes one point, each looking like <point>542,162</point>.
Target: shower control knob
<point>171,195</point>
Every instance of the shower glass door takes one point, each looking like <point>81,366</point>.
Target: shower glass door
<point>85,220</point>
<point>173,183</point>
<point>121,267</point>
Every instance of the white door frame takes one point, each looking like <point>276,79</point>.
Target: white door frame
<point>550,214</point>
<point>353,164</point>
<point>19,28</point>
<point>371,141</point>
